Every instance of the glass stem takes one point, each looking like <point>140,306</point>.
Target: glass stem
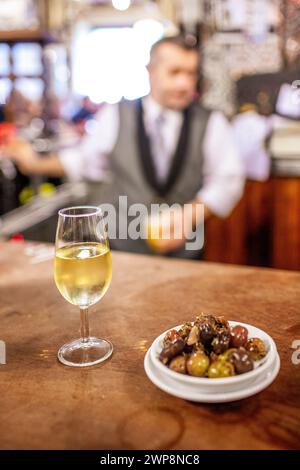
<point>85,329</point>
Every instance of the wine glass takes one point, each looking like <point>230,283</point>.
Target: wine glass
<point>82,273</point>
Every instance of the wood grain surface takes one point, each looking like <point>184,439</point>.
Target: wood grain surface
<point>45,405</point>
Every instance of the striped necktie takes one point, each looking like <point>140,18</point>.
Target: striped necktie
<point>160,154</point>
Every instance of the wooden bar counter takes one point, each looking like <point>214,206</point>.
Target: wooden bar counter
<point>45,405</point>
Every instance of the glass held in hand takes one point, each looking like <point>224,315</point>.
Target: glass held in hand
<point>82,273</point>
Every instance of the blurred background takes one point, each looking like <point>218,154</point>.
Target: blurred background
<point>51,87</point>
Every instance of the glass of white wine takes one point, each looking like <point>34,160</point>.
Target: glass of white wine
<point>82,273</point>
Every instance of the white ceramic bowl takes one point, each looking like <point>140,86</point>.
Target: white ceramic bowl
<point>204,384</point>
<point>180,390</point>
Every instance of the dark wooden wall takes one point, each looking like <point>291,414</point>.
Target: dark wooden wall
<point>264,228</point>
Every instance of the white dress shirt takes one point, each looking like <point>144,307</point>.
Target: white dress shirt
<point>223,179</point>
<point>251,130</point>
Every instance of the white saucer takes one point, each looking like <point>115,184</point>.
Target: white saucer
<point>229,384</point>
<point>181,390</point>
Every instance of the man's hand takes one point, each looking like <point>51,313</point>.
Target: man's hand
<point>168,231</point>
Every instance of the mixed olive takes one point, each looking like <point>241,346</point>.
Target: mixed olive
<point>209,347</point>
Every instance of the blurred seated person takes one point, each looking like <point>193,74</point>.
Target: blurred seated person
<point>86,111</point>
<point>20,110</point>
<point>163,148</point>
<point>56,125</point>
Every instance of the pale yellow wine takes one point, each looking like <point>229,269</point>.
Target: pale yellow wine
<point>83,272</point>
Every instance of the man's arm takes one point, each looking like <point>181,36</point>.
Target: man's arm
<point>86,160</point>
<point>223,171</point>
<point>29,162</point>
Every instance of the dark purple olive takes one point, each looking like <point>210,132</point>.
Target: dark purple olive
<point>221,342</point>
<point>239,336</point>
<point>241,361</point>
<point>172,350</point>
<point>207,333</point>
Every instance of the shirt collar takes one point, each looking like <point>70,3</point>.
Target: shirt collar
<point>152,109</point>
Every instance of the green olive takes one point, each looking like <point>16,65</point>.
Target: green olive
<point>220,369</point>
<point>197,364</point>
<point>178,364</point>
<point>226,355</point>
<point>256,348</point>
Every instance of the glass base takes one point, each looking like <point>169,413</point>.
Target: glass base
<point>83,354</point>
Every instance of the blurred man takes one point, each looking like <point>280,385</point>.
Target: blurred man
<point>162,148</point>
